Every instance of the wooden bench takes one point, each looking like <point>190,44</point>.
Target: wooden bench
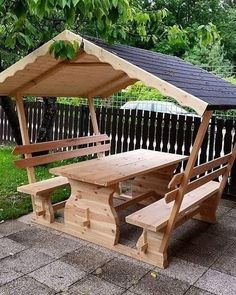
<point>194,196</point>
<point>41,191</point>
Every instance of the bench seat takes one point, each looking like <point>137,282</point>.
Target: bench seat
<point>156,215</point>
<point>43,186</point>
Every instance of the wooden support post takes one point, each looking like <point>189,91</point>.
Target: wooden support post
<point>94,119</point>
<point>184,183</point>
<point>24,132</point>
<point>93,116</point>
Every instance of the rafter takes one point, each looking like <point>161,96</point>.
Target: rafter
<point>43,76</point>
<point>105,86</point>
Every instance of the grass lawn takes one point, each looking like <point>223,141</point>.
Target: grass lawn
<point>12,203</point>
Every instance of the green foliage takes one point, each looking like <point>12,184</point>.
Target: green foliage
<point>211,58</point>
<point>12,203</point>
<point>139,91</point>
<point>64,50</point>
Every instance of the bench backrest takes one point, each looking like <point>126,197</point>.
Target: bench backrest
<point>78,147</point>
<point>199,176</point>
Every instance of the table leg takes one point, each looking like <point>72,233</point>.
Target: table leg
<point>156,181</point>
<point>90,214</point>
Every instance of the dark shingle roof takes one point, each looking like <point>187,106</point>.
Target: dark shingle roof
<point>218,93</point>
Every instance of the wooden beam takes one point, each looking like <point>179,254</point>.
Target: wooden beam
<point>22,89</point>
<point>122,85</point>
<point>24,133</point>
<point>93,116</point>
<point>103,87</point>
<point>88,64</point>
<point>134,200</point>
<point>185,180</point>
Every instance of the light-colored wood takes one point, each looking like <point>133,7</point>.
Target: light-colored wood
<point>116,168</point>
<point>93,116</point>
<point>210,165</point>
<point>134,200</point>
<point>204,179</point>
<point>156,181</point>
<point>28,66</point>
<point>89,211</point>
<point>118,86</point>
<point>39,160</point>
<point>156,215</point>
<point>120,77</point>
<point>24,133</point>
<point>176,180</point>
<point>44,186</point>
<point>185,180</point>
<point>56,144</point>
<point>42,77</point>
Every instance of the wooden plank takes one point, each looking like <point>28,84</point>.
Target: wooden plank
<point>134,200</point>
<point>173,132</point>
<point>114,131</point>
<point>184,185</point>
<point>151,133</point>
<point>145,128</point>
<point>165,136</point>
<point>210,165</point>
<point>126,130</point>
<point>118,167</point>
<point>139,114</point>
<point>132,129</point>
<point>31,162</point>
<point>159,131</point>
<point>24,134</point>
<point>156,216</point>
<point>46,146</point>
<point>204,179</point>
<point>120,131</point>
<point>180,134</point>
<point>93,116</point>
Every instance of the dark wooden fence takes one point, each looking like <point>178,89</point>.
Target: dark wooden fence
<point>132,129</point>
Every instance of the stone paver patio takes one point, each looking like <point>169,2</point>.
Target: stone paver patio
<point>35,260</point>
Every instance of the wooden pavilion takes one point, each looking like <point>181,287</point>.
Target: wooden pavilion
<point>100,70</point>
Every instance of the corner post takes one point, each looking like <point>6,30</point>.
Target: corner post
<point>184,183</point>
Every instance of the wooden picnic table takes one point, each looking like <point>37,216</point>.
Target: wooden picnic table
<point>91,212</point>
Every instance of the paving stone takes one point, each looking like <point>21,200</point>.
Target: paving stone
<point>49,243</point>
<point>161,285</point>
<point>224,227</point>
<point>196,291</point>
<point>58,275</point>
<point>217,283</point>
<point>130,232</point>
<point>26,261</point>
<point>9,247</point>
<point>124,271</point>
<point>211,241</point>
<point>8,274</point>
<point>25,285</point>
<point>204,249</point>
<point>175,246</point>
<point>128,293</point>
<point>183,270</point>
<point>31,236</point>
<point>222,210</point>
<point>88,258</point>
<point>10,227</point>
<point>189,230</point>
<point>232,213</point>
<point>227,262</point>
<point>94,286</point>
<point>227,203</point>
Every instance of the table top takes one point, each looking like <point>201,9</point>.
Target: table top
<point>109,170</point>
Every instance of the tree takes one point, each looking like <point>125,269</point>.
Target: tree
<point>25,25</point>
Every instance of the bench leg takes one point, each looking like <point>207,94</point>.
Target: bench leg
<point>208,210</point>
<point>148,247</point>
<point>43,208</point>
